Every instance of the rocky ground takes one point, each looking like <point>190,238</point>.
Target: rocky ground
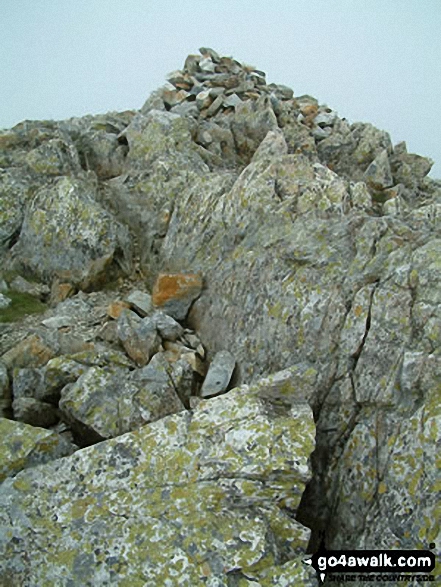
<point>219,339</point>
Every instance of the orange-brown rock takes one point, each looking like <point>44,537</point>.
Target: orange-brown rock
<point>174,293</point>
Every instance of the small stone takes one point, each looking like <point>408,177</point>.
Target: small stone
<point>203,99</point>
<point>206,65</point>
<point>186,109</point>
<point>281,91</point>
<point>231,101</point>
<point>172,97</point>
<point>258,77</point>
<point>58,322</point>
<point>219,374</point>
<point>174,293</point>
<point>3,285</point>
<point>167,327</point>
<point>138,336</point>
<point>4,301</point>
<point>195,363</point>
<point>141,302</point>
<point>192,64</point>
<point>215,106</point>
<point>325,118</point>
<point>115,308</point>
<point>180,80</point>
<point>210,54</point>
<point>108,332</point>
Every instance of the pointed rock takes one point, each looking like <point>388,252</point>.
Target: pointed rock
<point>219,374</point>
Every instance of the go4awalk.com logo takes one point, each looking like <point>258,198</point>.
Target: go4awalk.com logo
<point>373,566</point>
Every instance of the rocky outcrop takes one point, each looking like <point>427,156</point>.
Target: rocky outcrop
<point>269,260</point>
<point>208,494</point>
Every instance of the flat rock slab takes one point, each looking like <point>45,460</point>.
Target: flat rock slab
<point>174,293</point>
<point>187,500</point>
<point>23,446</point>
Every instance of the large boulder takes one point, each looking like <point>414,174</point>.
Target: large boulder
<point>208,494</point>
<point>67,213</point>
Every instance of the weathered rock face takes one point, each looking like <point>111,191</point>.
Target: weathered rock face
<point>202,495</point>
<point>288,240</point>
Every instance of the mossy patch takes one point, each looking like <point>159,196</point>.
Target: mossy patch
<point>22,305</point>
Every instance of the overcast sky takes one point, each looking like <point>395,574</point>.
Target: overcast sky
<point>375,61</point>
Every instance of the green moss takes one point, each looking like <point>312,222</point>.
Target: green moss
<point>22,305</point>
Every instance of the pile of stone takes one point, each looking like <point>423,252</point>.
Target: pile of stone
<point>139,363</point>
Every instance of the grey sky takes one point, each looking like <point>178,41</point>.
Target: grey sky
<point>375,61</point>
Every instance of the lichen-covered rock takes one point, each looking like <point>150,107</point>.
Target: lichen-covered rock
<point>199,496</point>
<point>108,401</point>
<point>23,446</point>
<point>54,157</point>
<point>66,212</point>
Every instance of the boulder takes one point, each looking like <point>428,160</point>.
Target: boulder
<point>215,491</point>
<point>67,212</point>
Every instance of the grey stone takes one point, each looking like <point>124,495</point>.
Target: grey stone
<point>325,118</point>
<point>204,99</point>
<point>186,109</point>
<point>206,65</point>
<point>141,302</point>
<point>231,101</point>
<point>58,322</point>
<point>138,336</point>
<point>167,326</point>
<point>219,374</point>
<point>281,91</point>
<point>107,402</point>
<point>211,53</point>
<point>214,108</point>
